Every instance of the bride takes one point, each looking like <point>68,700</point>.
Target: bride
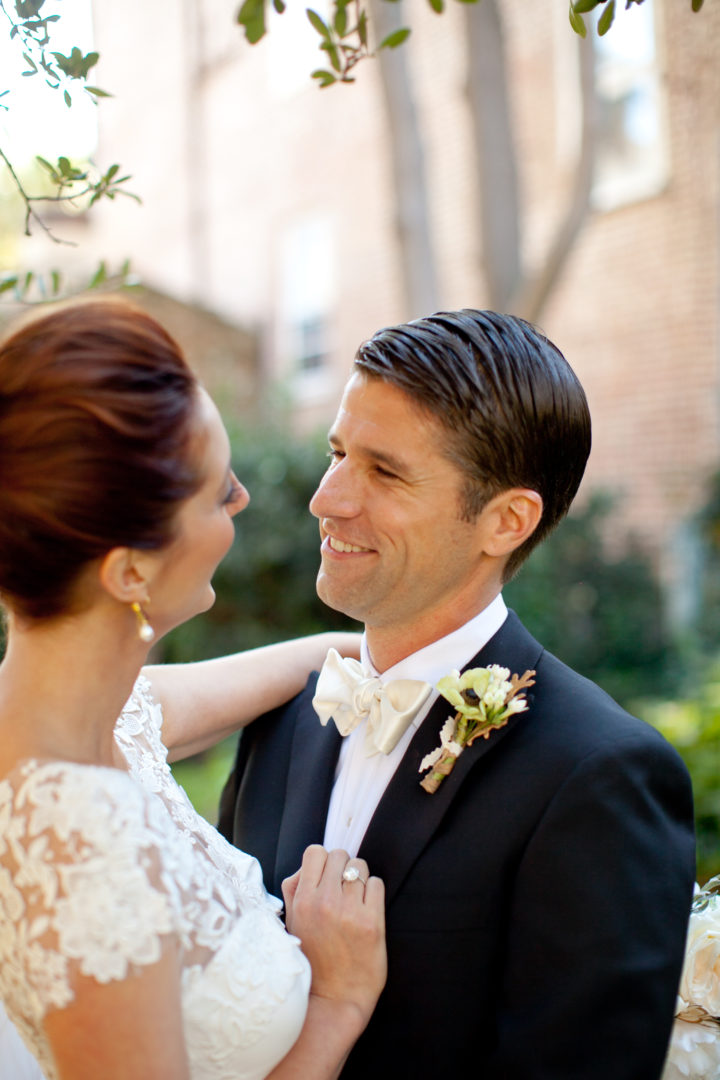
<point>134,941</point>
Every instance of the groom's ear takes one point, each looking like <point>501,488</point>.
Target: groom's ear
<point>509,519</point>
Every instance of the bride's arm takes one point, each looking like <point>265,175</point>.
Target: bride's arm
<point>119,1029</point>
<point>205,701</point>
<point>342,930</point>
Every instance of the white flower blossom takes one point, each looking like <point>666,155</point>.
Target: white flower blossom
<point>700,982</point>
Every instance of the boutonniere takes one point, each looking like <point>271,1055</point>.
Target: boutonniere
<point>484,700</point>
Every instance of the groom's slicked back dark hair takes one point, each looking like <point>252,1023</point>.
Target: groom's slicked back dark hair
<point>513,410</point>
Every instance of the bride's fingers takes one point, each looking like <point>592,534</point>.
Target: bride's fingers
<point>313,866</point>
<point>289,888</point>
<point>374,897</point>
<point>336,862</point>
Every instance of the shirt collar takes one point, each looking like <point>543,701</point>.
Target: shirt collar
<point>448,653</point>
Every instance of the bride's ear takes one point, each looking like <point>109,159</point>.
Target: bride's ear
<point>124,575</point>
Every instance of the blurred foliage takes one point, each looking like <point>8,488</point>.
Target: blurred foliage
<point>204,775</point>
<point>72,184</point>
<point>79,184</point>
<point>606,10</point>
<point>691,721</point>
<point>344,32</point>
<point>601,614</point>
<point>708,525</point>
<point>692,725</point>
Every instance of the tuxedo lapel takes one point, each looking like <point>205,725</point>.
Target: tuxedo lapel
<point>313,761</point>
<point>407,815</point>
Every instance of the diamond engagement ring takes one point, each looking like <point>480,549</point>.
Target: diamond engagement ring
<point>351,873</point>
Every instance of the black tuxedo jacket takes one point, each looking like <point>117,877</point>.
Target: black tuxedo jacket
<point>536,903</point>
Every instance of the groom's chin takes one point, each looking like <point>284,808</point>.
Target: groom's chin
<point>332,596</point>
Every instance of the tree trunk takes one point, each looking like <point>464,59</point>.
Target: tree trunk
<point>408,163</point>
<point>495,162</point>
<point>510,287</point>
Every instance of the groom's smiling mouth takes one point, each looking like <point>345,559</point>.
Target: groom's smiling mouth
<point>342,546</point>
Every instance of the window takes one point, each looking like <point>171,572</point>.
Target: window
<point>307,298</point>
<point>632,148</point>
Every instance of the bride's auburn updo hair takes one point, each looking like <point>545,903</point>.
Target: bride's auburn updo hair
<point>97,414</point>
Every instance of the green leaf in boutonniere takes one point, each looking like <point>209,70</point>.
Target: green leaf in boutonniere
<point>484,700</point>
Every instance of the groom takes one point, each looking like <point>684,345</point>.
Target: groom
<point>537,900</point>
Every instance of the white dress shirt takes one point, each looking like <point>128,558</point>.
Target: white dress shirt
<point>360,781</point>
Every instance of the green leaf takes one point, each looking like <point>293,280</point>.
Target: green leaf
<point>333,54</point>
<point>606,19</point>
<point>98,277</point>
<point>28,9</point>
<point>27,282</point>
<point>8,283</point>
<point>577,23</point>
<point>112,171</point>
<point>317,23</point>
<point>50,168</point>
<point>97,92</point>
<point>252,16</point>
<point>68,99</point>
<point>362,28</point>
<point>396,38</point>
<point>279,6</point>
<point>697,4</point>
<point>56,281</point>
<point>437,5</point>
<point>582,7</point>
<point>341,20</point>
<point>29,61</point>
<point>325,78</point>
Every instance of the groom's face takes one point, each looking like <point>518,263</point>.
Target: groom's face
<point>396,553</point>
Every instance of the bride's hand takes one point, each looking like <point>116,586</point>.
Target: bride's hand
<point>341,925</point>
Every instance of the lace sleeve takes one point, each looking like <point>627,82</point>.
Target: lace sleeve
<point>83,889</point>
<point>138,733</point>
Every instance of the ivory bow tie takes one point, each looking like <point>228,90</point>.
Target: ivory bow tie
<point>345,693</point>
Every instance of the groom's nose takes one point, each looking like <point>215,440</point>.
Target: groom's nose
<point>338,494</point>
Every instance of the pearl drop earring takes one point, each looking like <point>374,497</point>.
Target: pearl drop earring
<point>144,629</point>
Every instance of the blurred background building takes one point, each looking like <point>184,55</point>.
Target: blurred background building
<point>495,160</point>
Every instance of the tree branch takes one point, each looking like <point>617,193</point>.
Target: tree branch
<point>30,213</point>
<point>533,293</point>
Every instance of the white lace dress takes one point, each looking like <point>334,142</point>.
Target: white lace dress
<point>101,870</point>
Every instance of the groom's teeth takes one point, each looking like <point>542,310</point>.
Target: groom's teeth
<point>339,545</point>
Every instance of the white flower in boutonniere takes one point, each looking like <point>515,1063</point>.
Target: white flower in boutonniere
<point>484,700</point>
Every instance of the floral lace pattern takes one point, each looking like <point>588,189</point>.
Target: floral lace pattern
<point>100,870</point>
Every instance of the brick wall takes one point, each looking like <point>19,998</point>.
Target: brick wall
<point>226,163</point>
